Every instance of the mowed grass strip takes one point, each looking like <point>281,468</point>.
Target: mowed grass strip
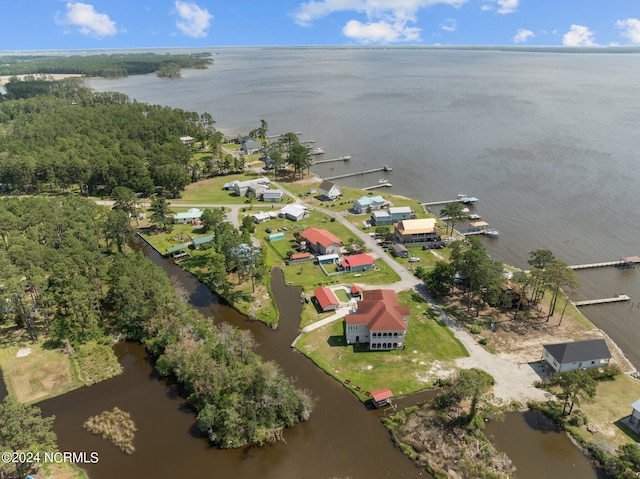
<point>44,373</point>
<point>430,347</point>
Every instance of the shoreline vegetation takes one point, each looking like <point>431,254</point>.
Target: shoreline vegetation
<point>38,252</point>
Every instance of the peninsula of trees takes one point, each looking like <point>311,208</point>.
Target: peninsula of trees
<point>105,65</point>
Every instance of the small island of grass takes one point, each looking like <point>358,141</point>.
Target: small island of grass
<point>116,426</point>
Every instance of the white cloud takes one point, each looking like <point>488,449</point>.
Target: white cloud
<point>522,35</point>
<point>386,20</point>
<point>449,25</point>
<point>194,21</point>
<point>578,36</point>
<point>630,29</point>
<point>88,21</point>
<point>380,32</point>
<point>503,7</point>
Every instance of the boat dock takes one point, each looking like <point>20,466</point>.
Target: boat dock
<point>331,160</point>
<point>379,185</point>
<point>270,137</point>
<point>365,172</point>
<point>623,262</point>
<point>615,299</point>
<point>462,198</point>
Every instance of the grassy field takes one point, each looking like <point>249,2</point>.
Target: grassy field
<point>429,348</point>
<point>612,404</point>
<point>45,373</point>
<point>210,191</point>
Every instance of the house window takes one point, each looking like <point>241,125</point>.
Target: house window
<point>395,335</point>
<point>395,345</point>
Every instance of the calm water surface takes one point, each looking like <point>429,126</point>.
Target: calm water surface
<point>547,141</point>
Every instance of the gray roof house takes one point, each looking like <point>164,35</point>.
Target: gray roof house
<point>250,146</point>
<point>329,190</point>
<point>591,353</point>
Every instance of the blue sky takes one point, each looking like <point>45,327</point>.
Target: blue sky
<point>95,24</point>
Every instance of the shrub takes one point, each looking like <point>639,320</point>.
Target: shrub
<point>475,329</point>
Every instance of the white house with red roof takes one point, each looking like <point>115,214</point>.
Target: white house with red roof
<point>357,262</point>
<point>321,241</point>
<point>326,299</point>
<point>379,321</point>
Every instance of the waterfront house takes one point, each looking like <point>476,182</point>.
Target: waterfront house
<point>294,212</point>
<point>321,241</point>
<point>591,353</point>
<point>366,204</point>
<point>422,230</point>
<point>380,218</point>
<point>357,262</point>
<point>634,417</point>
<point>399,213</point>
<point>250,145</point>
<point>272,196</point>
<point>329,190</point>
<point>327,300</point>
<point>188,217</point>
<point>379,321</point>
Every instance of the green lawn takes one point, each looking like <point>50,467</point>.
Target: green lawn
<point>612,403</point>
<point>429,345</point>
<point>210,191</point>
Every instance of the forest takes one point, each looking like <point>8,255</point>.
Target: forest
<point>63,277</point>
<point>103,65</point>
<point>57,135</point>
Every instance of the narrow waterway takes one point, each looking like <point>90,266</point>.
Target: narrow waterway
<point>342,438</point>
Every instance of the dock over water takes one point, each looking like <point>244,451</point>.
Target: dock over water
<point>331,160</point>
<point>462,198</point>
<point>346,175</point>
<point>623,262</point>
<point>615,299</point>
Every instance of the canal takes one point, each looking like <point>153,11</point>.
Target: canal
<point>342,439</point>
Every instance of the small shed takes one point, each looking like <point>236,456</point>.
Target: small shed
<point>197,242</point>
<point>382,397</point>
<point>327,258</point>
<point>176,249</point>
<point>326,299</point>
<point>634,418</point>
<point>399,250</point>
<point>300,256</point>
<point>356,291</point>
<point>276,237</point>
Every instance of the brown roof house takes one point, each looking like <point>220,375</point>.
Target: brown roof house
<point>379,321</point>
<point>417,231</point>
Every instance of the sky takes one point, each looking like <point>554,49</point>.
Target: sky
<point>107,24</point>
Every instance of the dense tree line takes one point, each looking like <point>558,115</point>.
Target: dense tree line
<point>64,275</point>
<point>57,134</point>
<point>112,65</point>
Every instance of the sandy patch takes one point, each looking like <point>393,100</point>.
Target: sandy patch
<point>24,352</point>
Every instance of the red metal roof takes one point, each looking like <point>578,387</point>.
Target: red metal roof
<point>325,298</point>
<point>381,394</point>
<point>300,255</point>
<point>355,289</point>
<point>357,260</point>
<point>379,309</point>
<point>318,236</point>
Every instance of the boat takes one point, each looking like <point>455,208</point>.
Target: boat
<point>381,181</point>
<point>317,151</point>
<point>387,168</point>
<point>474,216</point>
<point>491,233</point>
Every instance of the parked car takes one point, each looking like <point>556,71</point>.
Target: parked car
<point>413,259</point>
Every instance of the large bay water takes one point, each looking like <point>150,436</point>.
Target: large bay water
<point>547,141</point>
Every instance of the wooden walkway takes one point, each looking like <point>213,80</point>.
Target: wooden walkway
<point>467,200</point>
<point>379,185</point>
<point>331,160</point>
<point>615,299</point>
<point>346,175</point>
<point>625,262</point>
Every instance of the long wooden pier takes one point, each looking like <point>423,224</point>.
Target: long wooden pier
<point>467,200</point>
<point>379,185</point>
<point>624,262</point>
<point>331,160</point>
<point>365,172</point>
<point>615,299</point>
